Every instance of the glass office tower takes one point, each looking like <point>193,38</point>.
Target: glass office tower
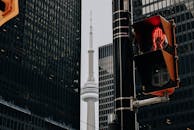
<point>40,66</point>
<point>106,85</point>
<point>178,114</point>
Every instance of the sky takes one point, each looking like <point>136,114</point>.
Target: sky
<point>102,35</point>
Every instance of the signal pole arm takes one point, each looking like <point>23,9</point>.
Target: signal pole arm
<point>146,102</point>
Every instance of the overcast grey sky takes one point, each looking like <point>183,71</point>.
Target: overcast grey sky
<point>102,34</point>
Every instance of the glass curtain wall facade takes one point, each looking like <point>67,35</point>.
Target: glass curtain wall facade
<point>40,66</point>
<point>106,85</point>
<point>178,114</point>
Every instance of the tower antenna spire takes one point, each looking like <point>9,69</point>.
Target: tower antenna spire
<point>91,32</point>
<point>91,53</point>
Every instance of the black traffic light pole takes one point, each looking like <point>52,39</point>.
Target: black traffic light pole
<point>123,65</point>
<point>124,70</point>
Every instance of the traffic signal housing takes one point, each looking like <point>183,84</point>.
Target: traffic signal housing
<point>156,61</point>
<point>8,10</point>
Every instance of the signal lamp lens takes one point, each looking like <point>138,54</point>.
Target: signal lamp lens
<point>159,39</point>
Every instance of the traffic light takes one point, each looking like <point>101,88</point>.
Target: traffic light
<point>156,61</point>
<point>8,10</point>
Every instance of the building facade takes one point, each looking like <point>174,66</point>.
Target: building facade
<point>40,66</point>
<point>106,85</point>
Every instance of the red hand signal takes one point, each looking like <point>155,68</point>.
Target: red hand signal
<point>158,38</point>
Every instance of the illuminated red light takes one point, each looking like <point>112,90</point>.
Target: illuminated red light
<point>158,38</point>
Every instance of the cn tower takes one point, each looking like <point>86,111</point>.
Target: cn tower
<point>90,89</point>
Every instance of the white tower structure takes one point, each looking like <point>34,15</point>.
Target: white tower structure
<point>90,89</point>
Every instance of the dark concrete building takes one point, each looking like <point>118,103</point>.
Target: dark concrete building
<point>40,66</point>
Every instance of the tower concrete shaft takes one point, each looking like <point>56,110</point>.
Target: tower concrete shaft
<point>91,115</point>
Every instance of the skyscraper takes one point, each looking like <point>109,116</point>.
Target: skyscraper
<point>106,85</point>
<point>40,66</point>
